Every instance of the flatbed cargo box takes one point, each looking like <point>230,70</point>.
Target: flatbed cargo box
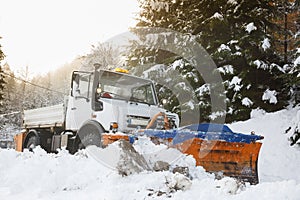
<point>51,116</point>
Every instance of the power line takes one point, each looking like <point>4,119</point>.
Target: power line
<point>12,113</point>
<point>33,84</point>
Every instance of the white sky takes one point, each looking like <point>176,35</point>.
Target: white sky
<point>45,34</point>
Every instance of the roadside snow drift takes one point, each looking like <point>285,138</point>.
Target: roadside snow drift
<point>93,173</point>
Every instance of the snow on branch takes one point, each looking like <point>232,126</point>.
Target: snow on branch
<point>232,2</point>
<point>218,16</point>
<point>261,64</point>
<point>247,102</point>
<point>270,95</point>
<point>226,69</point>
<point>297,61</point>
<point>236,83</point>
<point>266,44</point>
<point>158,6</point>
<point>250,27</point>
<point>224,47</point>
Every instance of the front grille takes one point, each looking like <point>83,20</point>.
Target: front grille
<point>137,121</point>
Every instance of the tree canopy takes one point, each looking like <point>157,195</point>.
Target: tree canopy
<point>239,36</point>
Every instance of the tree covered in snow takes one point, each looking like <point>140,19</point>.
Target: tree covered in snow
<point>10,115</point>
<point>22,92</point>
<point>293,77</point>
<point>178,83</point>
<point>288,21</point>
<point>105,54</point>
<point>2,82</point>
<point>11,97</point>
<point>239,37</point>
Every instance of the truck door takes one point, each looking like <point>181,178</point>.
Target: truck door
<point>79,104</point>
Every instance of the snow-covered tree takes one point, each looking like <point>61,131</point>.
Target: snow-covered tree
<point>293,77</point>
<point>239,37</point>
<point>288,22</point>
<point>11,100</point>
<point>237,34</point>
<point>105,54</point>
<point>2,82</point>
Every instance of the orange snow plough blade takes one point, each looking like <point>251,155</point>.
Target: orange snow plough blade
<point>238,160</point>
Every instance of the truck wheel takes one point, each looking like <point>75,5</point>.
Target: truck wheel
<point>32,142</point>
<point>90,134</point>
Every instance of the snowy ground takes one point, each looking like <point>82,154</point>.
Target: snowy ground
<point>63,176</point>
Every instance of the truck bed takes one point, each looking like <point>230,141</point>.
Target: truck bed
<point>51,116</point>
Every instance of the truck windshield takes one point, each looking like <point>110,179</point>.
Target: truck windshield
<point>122,86</point>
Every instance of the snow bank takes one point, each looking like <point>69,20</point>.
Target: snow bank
<point>62,176</point>
<point>257,113</point>
<point>278,161</point>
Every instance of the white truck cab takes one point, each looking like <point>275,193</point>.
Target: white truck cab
<point>113,99</point>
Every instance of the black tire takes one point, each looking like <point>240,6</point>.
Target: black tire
<point>90,134</point>
<point>32,142</point>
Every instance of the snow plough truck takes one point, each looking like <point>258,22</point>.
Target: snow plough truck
<point>106,106</point>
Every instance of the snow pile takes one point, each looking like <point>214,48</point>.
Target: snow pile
<point>278,161</point>
<point>153,153</point>
<point>61,176</point>
<point>257,113</point>
<point>120,156</point>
